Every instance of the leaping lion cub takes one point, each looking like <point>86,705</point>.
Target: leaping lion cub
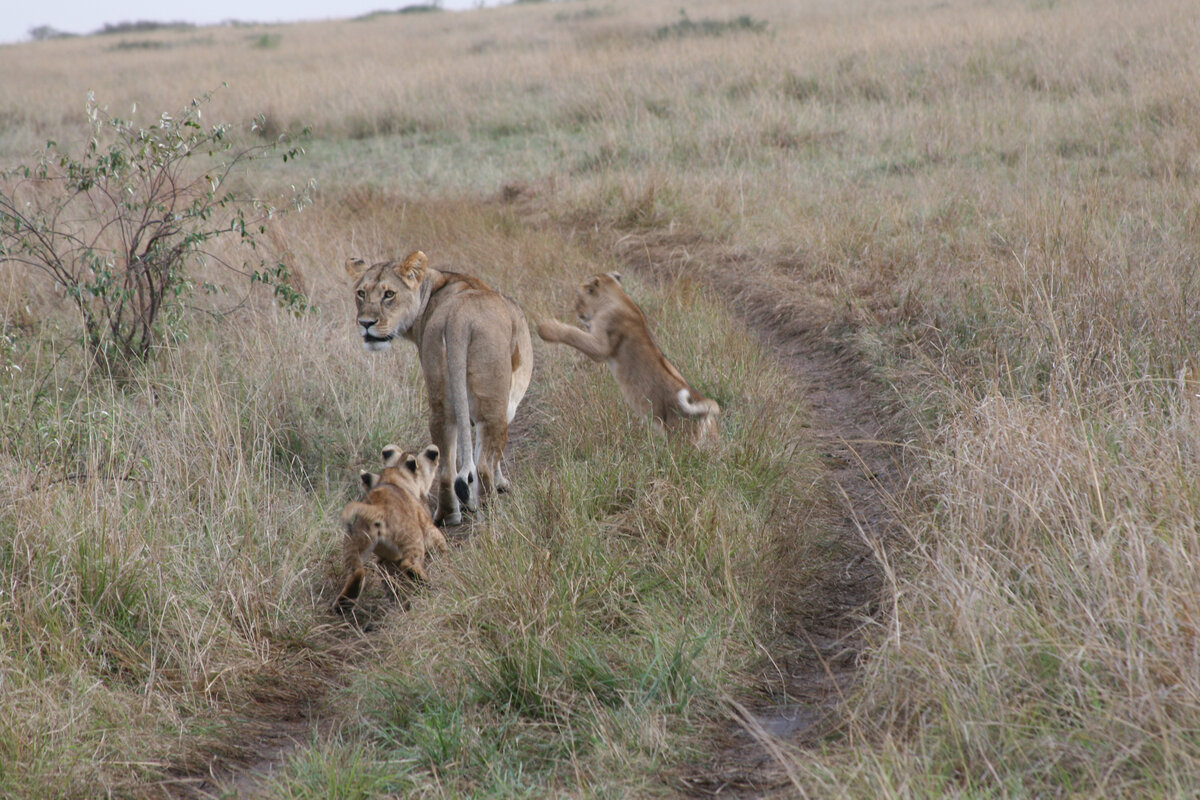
<point>391,521</point>
<point>476,356</point>
<point>617,333</point>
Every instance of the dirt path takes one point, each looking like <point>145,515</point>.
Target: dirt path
<point>287,713</point>
<point>801,691</point>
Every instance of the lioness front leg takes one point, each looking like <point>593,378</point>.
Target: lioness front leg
<point>592,346</point>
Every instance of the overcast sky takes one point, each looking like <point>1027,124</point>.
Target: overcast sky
<point>17,17</point>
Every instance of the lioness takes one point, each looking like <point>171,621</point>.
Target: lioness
<point>391,521</point>
<point>476,356</point>
<point>617,333</point>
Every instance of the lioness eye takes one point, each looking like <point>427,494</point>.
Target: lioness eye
<point>361,294</point>
<point>389,294</point>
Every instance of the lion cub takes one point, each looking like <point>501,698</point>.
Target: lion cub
<point>617,333</point>
<point>391,521</point>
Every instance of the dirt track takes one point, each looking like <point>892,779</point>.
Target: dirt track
<point>853,433</point>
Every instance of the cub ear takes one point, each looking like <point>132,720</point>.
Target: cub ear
<point>391,455</point>
<point>369,479</point>
<point>355,267</point>
<point>413,266</point>
<point>431,454</point>
<point>410,463</point>
<point>616,276</point>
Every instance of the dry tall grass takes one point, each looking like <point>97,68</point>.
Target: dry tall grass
<point>994,202</point>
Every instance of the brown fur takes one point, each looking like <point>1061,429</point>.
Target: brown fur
<point>476,356</point>
<point>391,521</point>
<point>617,334</point>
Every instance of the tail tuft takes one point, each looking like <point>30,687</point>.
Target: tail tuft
<point>462,487</point>
<point>695,406</point>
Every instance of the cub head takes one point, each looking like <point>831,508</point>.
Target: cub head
<point>410,471</point>
<point>597,293</point>
<point>369,479</point>
<point>388,297</point>
<point>392,455</point>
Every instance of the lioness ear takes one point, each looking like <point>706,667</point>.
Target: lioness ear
<point>616,276</point>
<point>413,266</point>
<point>355,267</point>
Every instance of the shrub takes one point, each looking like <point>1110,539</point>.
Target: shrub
<point>118,227</point>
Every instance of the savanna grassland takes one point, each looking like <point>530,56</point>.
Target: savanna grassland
<point>992,207</point>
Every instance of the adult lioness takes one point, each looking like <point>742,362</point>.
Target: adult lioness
<point>476,356</point>
<point>391,521</point>
<point>617,333</point>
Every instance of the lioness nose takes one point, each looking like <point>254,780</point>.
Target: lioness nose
<point>366,322</point>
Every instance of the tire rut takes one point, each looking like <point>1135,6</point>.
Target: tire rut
<point>284,714</point>
<point>855,435</point>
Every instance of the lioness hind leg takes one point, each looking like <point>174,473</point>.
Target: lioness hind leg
<point>466,480</point>
<point>502,483</point>
<point>492,438</point>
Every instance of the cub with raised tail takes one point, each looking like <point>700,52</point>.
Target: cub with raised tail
<point>615,332</point>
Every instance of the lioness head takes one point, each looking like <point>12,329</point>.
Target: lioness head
<point>388,295</point>
<point>596,293</point>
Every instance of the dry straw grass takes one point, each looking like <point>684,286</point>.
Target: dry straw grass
<point>994,203</point>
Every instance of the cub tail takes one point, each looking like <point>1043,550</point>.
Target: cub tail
<point>702,409</point>
<point>693,405</point>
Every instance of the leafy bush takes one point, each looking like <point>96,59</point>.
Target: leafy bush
<point>119,227</point>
